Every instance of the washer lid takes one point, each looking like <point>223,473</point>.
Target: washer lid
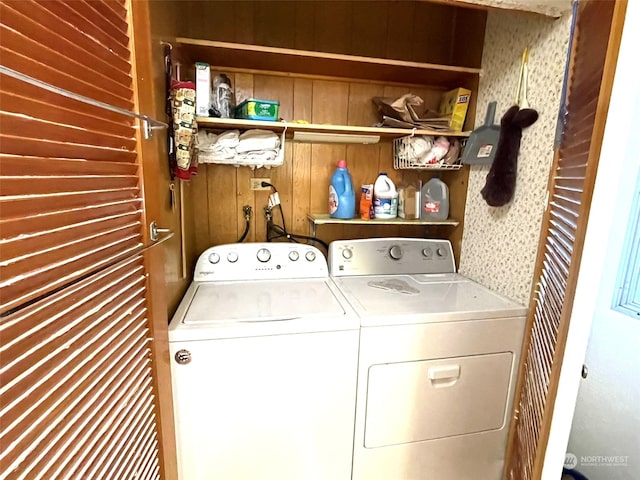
<point>398,299</point>
<point>261,301</point>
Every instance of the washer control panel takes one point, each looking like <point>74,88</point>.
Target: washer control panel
<point>260,261</point>
<point>390,256</point>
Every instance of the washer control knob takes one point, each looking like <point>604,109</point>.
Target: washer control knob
<point>427,252</point>
<point>214,258</point>
<point>232,257</point>
<point>441,252</point>
<point>263,255</point>
<point>347,253</point>
<point>395,252</point>
<point>294,256</point>
<point>183,357</point>
<point>310,256</point>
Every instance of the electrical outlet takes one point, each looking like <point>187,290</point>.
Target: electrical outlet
<point>256,183</point>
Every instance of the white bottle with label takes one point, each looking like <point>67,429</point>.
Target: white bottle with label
<point>385,198</point>
<point>434,200</point>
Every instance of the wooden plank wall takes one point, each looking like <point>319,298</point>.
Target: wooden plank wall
<point>303,181</point>
<point>417,31</point>
<point>404,30</point>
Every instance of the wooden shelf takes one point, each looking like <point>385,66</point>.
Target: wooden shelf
<point>382,132</point>
<point>257,57</point>
<point>324,219</point>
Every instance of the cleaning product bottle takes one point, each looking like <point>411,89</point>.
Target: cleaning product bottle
<point>434,201</point>
<point>342,198</point>
<point>385,197</point>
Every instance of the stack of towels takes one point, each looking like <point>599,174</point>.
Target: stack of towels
<point>253,148</point>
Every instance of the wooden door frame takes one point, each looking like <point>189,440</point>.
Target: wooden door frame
<point>615,36</point>
<point>151,160</point>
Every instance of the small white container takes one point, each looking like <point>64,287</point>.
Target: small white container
<point>385,198</point>
<point>203,89</point>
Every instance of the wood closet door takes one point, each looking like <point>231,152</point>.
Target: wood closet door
<point>589,82</point>
<point>82,347</point>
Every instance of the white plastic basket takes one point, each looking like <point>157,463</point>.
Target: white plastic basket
<point>402,160</point>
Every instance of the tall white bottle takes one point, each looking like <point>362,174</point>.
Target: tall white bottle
<point>385,197</point>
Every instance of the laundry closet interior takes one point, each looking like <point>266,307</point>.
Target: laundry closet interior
<point>324,62</point>
<point>369,49</point>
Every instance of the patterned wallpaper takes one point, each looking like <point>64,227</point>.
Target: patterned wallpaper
<point>499,245</point>
<point>554,8</point>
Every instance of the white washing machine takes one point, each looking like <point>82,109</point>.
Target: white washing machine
<point>438,362</point>
<point>264,354</point>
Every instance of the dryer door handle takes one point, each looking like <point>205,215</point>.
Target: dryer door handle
<point>444,374</point>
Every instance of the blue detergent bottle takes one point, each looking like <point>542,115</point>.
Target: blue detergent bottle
<point>342,197</point>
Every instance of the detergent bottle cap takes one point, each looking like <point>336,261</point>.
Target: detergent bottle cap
<point>342,164</point>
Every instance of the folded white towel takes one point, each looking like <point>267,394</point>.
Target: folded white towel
<point>257,134</point>
<point>206,139</point>
<point>257,140</point>
<point>228,139</point>
<point>262,160</point>
<point>257,157</point>
<point>266,159</point>
<point>225,155</point>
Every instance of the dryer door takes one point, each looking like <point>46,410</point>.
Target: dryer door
<point>429,399</point>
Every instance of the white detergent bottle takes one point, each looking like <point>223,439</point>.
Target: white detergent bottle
<point>434,200</point>
<point>385,198</point>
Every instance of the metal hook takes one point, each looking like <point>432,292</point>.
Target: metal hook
<point>167,44</point>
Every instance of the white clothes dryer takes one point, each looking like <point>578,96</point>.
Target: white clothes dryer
<point>264,360</point>
<point>438,362</point>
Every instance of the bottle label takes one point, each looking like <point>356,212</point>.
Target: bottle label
<point>333,200</point>
<point>485,151</point>
<point>431,207</point>
<point>385,206</point>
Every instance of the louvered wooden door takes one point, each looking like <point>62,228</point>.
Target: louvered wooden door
<point>78,390</point>
<point>590,78</point>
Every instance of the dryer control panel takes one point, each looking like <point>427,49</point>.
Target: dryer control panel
<point>260,261</point>
<point>390,256</point>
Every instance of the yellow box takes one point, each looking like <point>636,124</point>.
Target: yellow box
<point>455,103</point>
